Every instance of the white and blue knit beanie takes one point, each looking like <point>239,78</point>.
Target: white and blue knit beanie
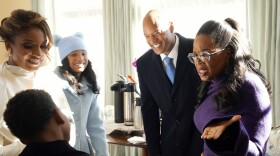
<point>69,44</point>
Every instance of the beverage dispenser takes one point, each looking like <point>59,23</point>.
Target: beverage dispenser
<point>128,94</point>
<point>117,87</point>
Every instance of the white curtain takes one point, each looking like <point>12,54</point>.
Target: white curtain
<point>264,33</point>
<point>46,9</point>
<point>119,19</point>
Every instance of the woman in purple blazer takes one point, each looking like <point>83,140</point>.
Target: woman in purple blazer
<point>233,112</point>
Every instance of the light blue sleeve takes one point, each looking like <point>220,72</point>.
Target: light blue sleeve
<point>95,129</point>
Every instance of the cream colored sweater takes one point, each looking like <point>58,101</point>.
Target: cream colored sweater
<point>14,79</point>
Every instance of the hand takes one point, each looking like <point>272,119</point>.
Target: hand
<point>202,154</point>
<point>215,130</point>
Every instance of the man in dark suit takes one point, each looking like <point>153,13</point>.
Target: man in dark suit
<point>171,100</point>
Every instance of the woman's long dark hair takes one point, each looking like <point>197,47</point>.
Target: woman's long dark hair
<point>72,79</point>
<point>228,35</point>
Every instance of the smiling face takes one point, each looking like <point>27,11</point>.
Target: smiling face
<point>28,49</point>
<point>78,61</point>
<point>159,39</point>
<point>209,70</point>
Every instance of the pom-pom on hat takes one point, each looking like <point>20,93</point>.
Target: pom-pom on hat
<point>69,44</point>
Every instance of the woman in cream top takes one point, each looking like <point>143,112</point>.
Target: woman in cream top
<point>27,38</point>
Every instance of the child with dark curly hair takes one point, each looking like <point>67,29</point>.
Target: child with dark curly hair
<point>34,118</point>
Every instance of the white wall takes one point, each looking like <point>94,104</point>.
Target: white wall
<point>6,7</point>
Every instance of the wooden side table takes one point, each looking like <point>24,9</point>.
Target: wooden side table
<point>122,140</point>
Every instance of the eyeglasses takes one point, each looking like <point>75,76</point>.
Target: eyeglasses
<point>204,56</point>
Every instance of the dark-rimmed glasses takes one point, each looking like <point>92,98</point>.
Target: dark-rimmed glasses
<point>204,56</point>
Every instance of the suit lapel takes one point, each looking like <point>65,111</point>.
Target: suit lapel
<point>180,67</point>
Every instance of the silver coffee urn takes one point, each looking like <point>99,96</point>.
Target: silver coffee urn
<point>128,97</point>
<point>138,121</point>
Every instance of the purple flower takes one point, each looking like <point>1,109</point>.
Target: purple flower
<point>134,63</point>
